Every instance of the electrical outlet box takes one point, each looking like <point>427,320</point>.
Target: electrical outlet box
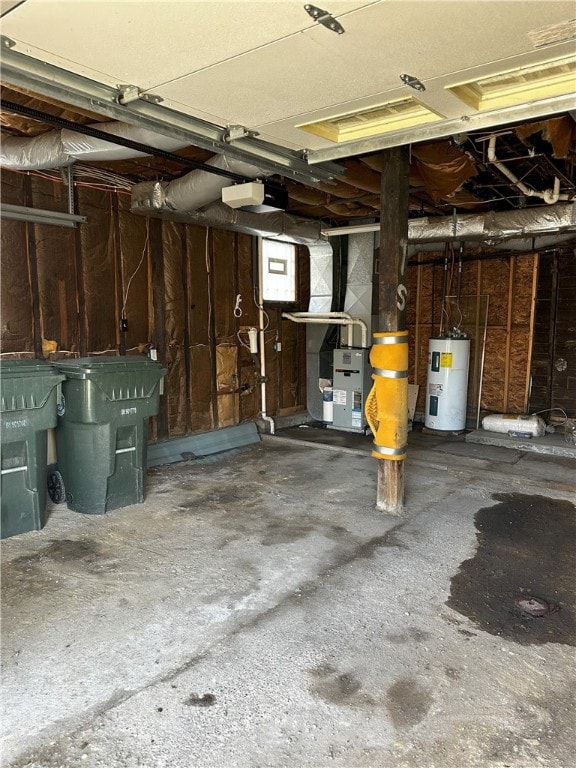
<point>277,346</point>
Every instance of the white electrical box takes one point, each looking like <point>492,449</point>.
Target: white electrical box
<point>240,195</point>
<point>351,383</point>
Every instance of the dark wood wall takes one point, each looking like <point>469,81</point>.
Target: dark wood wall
<point>554,350</point>
<point>65,291</point>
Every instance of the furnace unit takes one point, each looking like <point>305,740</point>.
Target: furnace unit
<point>351,383</point>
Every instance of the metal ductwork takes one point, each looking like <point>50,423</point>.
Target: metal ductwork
<point>196,199</point>
<point>60,148</point>
<point>279,225</point>
<point>192,191</point>
<point>525,222</point>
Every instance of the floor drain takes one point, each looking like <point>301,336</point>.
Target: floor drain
<point>535,606</point>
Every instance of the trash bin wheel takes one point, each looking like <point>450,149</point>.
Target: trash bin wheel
<point>56,489</point>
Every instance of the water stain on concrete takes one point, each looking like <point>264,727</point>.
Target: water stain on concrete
<point>323,670</point>
<point>206,700</point>
<point>336,687</point>
<point>525,548</point>
<point>389,539</point>
<point>408,702</point>
<point>25,577</point>
<point>284,532</point>
<point>412,634</point>
<point>40,573</point>
<point>219,497</point>
<point>60,550</point>
<point>452,673</point>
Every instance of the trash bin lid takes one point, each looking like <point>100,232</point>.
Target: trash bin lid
<point>20,369</point>
<point>86,367</point>
<point>26,384</point>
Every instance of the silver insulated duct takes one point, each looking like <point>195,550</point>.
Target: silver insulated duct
<point>192,191</point>
<point>57,149</point>
<point>487,227</point>
<point>196,199</point>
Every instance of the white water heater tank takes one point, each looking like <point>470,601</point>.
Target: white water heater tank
<point>447,386</point>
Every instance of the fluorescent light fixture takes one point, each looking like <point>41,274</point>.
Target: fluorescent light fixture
<point>399,114</point>
<point>40,216</point>
<point>354,229</point>
<point>519,86</point>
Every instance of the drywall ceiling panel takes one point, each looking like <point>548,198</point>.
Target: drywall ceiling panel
<point>7,5</point>
<point>318,69</point>
<point>437,97</point>
<point>146,42</point>
<point>268,66</point>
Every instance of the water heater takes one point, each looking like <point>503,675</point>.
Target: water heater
<point>446,390</point>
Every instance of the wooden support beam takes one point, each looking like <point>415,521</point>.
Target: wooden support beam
<point>392,295</point>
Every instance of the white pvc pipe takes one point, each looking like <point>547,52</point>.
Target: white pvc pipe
<point>550,196</point>
<point>332,318</point>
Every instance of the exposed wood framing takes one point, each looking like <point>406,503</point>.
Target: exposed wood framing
<point>509,319</point>
<point>120,279</point>
<point>531,335</point>
<point>417,320</point>
<point>182,231</point>
<point>157,258</point>
<point>80,297</point>
<point>392,295</point>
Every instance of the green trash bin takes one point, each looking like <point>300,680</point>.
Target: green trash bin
<point>29,395</point>
<point>102,432</point>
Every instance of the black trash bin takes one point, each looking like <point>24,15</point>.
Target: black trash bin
<point>29,394</point>
<point>102,432</point>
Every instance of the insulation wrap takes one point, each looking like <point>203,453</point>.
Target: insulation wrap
<point>496,225</point>
<point>60,148</point>
<point>387,403</point>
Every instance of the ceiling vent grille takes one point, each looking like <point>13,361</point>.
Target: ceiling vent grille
<point>396,115</point>
<point>553,78</point>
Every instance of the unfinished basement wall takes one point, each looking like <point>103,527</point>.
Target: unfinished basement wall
<point>64,292</point>
<point>508,285</point>
<point>554,349</point>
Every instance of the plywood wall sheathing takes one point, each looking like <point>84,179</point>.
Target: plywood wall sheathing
<point>510,320</point>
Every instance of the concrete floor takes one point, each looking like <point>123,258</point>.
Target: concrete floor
<point>257,610</point>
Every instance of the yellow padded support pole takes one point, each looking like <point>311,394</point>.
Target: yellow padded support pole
<point>386,406</point>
